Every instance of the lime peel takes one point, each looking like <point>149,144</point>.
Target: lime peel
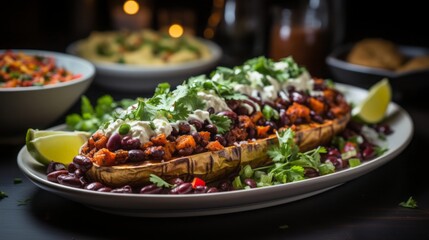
<point>59,146</point>
<point>373,108</point>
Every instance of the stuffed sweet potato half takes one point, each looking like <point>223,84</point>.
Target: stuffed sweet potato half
<point>209,127</point>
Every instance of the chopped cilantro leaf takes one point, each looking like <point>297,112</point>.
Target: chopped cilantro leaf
<point>159,181</point>
<point>17,180</point>
<point>222,123</point>
<point>410,203</point>
<point>3,195</point>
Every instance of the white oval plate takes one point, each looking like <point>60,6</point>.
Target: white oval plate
<point>233,201</point>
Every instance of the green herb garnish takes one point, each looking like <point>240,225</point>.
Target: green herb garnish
<point>410,203</point>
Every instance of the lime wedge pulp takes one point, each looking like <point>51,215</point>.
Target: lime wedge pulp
<point>373,108</point>
<point>59,146</point>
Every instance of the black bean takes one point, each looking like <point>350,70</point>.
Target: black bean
<point>221,139</point>
<point>241,110</point>
<point>211,128</point>
<point>176,181</point>
<point>211,110</point>
<point>233,104</point>
<point>69,180</point>
<point>230,114</point>
<point>284,119</point>
<point>185,151</point>
<point>175,132</point>
<point>171,138</point>
<point>94,186</point>
<point>55,166</point>
<point>310,172</point>
<point>251,133</point>
<point>197,137</point>
<point>53,176</point>
<point>151,189</point>
<point>184,128</point>
<point>199,149</point>
<point>135,155</point>
<point>183,188</point>
<point>298,98</point>
<point>114,142</point>
<point>316,117</point>
<point>252,104</point>
<point>197,124</point>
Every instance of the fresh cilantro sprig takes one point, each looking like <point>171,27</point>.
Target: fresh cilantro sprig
<point>92,117</point>
<point>222,123</point>
<point>172,105</point>
<point>288,163</point>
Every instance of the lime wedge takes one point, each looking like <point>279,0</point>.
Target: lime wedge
<point>373,108</point>
<point>59,146</point>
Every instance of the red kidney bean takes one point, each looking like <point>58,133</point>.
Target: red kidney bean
<point>150,189</point>
<point>124,189</point>
<point>114,142</point>
<point>53,176</point>
<point>156,152</point>
<point>55,166</point>
<point>185,151</point>
<point>104,189</point>
<point>72,167</point>
<point>250,182</point>
<point>212,190</point>
<point>230,114</point>
<point>200,189</point>
<point>135,155</point>
<point>225,186</point>
<point>176,181</point>
<point>69,180</point>
<point>79,172</point>
<point>129,143</point>
<point>183,188</point>
<point>94,186</point>
<point>175,132</point>
<point>84,162</point>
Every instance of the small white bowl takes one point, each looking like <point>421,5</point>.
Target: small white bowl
<point>40,106</point>
<point>132,78</point>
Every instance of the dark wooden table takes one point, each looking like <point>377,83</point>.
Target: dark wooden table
<point>365,208</point>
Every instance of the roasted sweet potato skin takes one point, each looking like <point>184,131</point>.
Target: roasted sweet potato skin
<point>213,165</point>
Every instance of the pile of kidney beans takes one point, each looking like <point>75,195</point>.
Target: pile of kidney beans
<point>74,174</point>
